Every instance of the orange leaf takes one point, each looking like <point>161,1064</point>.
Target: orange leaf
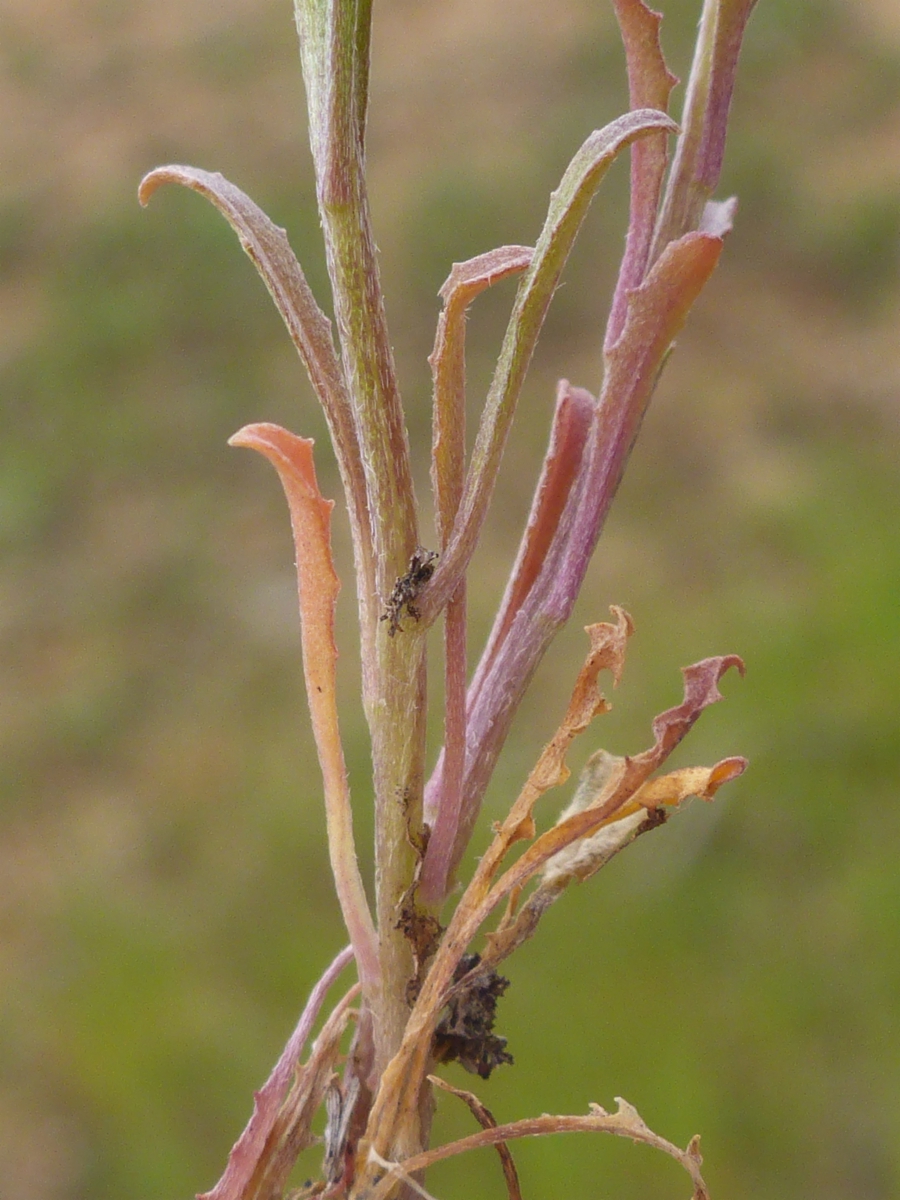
<point>318,587</point>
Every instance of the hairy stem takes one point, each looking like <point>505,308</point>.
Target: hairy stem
<point>334,45</point>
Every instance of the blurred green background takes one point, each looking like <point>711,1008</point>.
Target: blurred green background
<point>164,894</point>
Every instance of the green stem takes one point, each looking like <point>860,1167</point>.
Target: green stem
<point>334,41</point>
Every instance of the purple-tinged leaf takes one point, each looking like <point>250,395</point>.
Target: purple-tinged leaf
<point>562,463</point>
<point>448,364</point>
<point>268,248</point>
<point>656,312</point>
<point>568,207</point>
<point>733,16</point>
<point>451,823</point>
<point>649,85</point>
<point>248,1150</point>
<point>701,688</point>
<point>701,145</point>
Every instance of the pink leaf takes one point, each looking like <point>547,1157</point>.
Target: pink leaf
<point>649,85</point>
<point>248,1149</point>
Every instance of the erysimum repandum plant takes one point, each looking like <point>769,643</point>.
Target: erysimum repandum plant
<point>423,996</point>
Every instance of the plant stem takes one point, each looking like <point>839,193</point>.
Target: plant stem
<point>334,41</point>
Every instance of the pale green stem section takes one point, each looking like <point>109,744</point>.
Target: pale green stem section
<point>334,46</point>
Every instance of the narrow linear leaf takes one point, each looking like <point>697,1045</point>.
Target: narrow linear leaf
<point>318,588</point>
<point>733,16</point>
<point>700,148</point>
<point>448,366</point>
<point>568,208</point>
<point>291,1131</point>
<point>649,86</point>
<point>562,463</point>
<point>267,1102</point>
<point>268,248</point>
<point>452,826</point>
<point>656,312</point>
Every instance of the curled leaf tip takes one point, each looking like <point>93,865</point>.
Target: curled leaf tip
<point>728,769</point>
<point>147,187</point>
<point>476,274</point>
<point>702,678</point>
<point>611,641</point>
<point>264,433</point>
<point>159,175</point>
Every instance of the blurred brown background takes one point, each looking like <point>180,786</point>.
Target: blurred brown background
<point>164,894</point>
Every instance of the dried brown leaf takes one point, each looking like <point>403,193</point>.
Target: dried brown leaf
<point>607,652</point>
<point>486,1120</point>
<point>395,1106</point>
<point>677,786</point>
<point>585,856</point>
<point>629,774</point>
<point>625,1122</point>
<point>292,1130</point>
